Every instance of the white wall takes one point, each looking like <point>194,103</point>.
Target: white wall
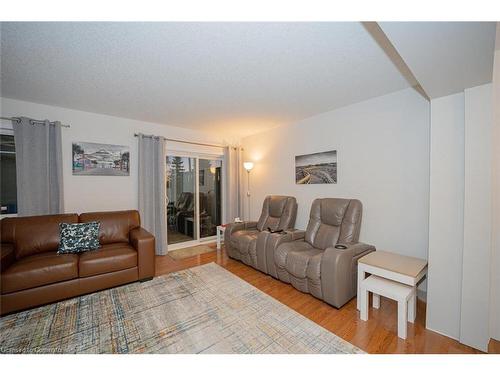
<point>446,215</point>
<point>102,193</point>
<point>383,160</point>
<point>474,321</point>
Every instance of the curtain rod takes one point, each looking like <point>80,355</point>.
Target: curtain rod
<point>17,119</point>
<point>180,141</point>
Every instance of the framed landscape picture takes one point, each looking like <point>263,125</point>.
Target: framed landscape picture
<point>98,159</point>
<point>318,168</point>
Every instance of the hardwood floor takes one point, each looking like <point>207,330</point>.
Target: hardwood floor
<point>377,335</point>
<point>494,346</point>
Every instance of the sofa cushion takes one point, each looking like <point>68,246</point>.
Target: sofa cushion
<point>326,236</point>
<point>34,234</point>
<point>297,262</point>
<point>77,238</point>
<point>287,248</point>
<point>109,258</point>
<point>115,225</point>
<point>244,240</point>
<point>278,212</point>
<point>243,237</point>
<point>39,269</point>
<point>313,271</point>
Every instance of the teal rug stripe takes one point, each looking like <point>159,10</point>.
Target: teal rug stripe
<point>204,309</point>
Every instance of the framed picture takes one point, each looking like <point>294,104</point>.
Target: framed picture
<point>318,168</point>
<point>98,159</point>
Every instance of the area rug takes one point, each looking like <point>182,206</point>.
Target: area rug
<point>205,309</point>
<point>188,252</point>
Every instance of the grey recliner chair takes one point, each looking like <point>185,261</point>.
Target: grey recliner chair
<point>240,239</point>
<point>309,259</point>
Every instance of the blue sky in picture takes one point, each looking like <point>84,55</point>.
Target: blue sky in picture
<point>317,158</point>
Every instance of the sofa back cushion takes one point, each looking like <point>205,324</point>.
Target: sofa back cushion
<point>278,212</point>
<point>115,225</point>
<point>332,221</point>
<point>34,234</point>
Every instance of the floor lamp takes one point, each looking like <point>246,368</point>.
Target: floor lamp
<point>248,165</point>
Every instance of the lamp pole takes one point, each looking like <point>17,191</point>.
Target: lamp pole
<point>248,192</point>
<point>248,165</point>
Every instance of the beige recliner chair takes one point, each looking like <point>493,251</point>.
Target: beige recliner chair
<point>310,260</point>
<point>240,239</point>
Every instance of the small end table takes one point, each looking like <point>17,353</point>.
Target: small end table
<point>395,269</point>
<point>220,235</point>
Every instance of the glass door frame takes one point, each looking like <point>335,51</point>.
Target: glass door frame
<point>196,222</point>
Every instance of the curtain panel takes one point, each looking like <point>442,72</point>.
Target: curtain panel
<point>233,158</point>
<point>153,189</point>
<point>39,172</point>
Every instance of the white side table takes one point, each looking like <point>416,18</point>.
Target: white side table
<point>403,294</point>
<point>399,268</point>
<point>220,235</point>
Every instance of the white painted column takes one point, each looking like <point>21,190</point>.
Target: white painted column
<point>495,249</point>
<point>444,290</point>
<point>475,318</point>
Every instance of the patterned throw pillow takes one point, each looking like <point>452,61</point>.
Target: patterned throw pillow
<point>77,238</point>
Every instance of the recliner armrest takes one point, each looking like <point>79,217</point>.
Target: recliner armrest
<point>354,248</point>
<point>339,268</point>
<point>144,243</point>
<point>234,227</point>
<point>7,255</point>
<point>295,234</point>
<point>268,242</point>
<point>281,237</point>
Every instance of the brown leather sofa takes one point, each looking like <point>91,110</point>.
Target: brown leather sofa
<point>309,259</point>
<point>241,239</point>
<point>32,273</point>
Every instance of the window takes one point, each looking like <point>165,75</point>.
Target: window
<point>8,191</point>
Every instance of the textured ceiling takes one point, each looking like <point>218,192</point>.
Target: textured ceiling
<point>445,57</point>
<point>237,78</point>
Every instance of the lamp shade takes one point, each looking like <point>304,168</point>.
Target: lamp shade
<point>248,165</point>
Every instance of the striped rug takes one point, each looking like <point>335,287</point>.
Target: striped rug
<point>205,309</point>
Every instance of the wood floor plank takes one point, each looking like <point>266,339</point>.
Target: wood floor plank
<point>377,335</point>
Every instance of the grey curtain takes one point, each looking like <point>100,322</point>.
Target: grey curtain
<point>232,156</point>
<point>38,167</point>
<point>153,189</point>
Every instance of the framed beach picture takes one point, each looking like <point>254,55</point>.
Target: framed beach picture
<point>99,159</point>
<point>318,168</point>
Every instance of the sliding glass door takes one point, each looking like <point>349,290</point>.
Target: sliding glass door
<point>209,184</point>
<point>181,190</point>
<point>194,198</point>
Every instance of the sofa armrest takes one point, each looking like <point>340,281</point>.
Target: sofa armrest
<point>276,239</point>
<point>144,242</point>
<point>339,269</point>
<point>295,234</point>
<point>7,255</point>
<point>354,248</point>
<point>268,242</point>
<point>234,227</point>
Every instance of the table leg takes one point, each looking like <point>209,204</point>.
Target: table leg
<point>218,238</point>
<point>412,307</point>
<point>364,297</point>
<point>376,300</point>
<point>402,316</point>
<point>361,277</point>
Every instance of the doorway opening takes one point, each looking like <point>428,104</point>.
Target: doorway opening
<point>194,191</point>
